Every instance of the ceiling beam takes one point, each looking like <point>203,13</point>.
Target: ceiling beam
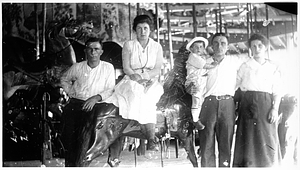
<point>200,7</point>
<point>226,18</point>
<point>209,29</point>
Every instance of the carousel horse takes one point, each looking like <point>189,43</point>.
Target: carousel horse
<point>105,128</point>
<point>31,96</point>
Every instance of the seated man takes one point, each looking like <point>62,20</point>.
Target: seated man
<point>86,83</point>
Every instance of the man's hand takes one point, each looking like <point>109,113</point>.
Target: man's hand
<point>135,77</point>
<point>90,103</point>
<point>273,116</point>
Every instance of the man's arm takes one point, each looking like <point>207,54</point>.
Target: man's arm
<point>110,83</point>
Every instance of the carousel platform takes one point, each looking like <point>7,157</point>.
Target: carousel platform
<point>166,158</point>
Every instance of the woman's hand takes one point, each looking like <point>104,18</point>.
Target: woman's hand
<point>135,77</point>
<point>273,116</point>
<point>90,103</point>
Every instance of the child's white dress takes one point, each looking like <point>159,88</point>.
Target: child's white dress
<point>196,75</point>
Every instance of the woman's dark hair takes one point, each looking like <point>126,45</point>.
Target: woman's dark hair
<point>259,37</point>
<point>93,39</point>
<point>142,19</point>
<point>220,34</point>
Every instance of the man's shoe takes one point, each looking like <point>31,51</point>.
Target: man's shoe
<point>199,125</point>
<point>152,146</point>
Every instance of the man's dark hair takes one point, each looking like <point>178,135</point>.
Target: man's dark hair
<point>220,34</point>
<point>93,39</point>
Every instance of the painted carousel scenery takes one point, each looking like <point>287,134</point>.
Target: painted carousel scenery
<point>150,85</point>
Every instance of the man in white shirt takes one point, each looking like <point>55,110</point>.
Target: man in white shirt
<point>218,109</point>
<point>86,83</point>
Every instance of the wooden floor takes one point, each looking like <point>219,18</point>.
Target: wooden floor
<point>165,159</point>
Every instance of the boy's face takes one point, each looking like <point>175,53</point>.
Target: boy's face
<point>198,48</point>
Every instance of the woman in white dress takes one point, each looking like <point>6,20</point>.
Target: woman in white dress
<point>138,92</point>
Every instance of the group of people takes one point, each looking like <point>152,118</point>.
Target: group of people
<point>212,81</point>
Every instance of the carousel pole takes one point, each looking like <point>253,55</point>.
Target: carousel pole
<point>248,34</point>
<point>220,18</point>
<point>129,19</point>
<point>44,26</point>
<point>194,21</point>
<point>44,110</point>
<point>251,19</point>
<point>157,22</point>
<point>255,19</point>
<point>216,17</point>
<point>267,19</point>
<point>169,36</point>
<point>137,9</point>
<point>37,32</point>
<point>248,25</point>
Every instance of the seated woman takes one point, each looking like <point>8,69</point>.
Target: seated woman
<point>138,92</point>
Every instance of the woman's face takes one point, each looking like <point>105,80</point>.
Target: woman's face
<point>258,48</point>
<point>142,31</point>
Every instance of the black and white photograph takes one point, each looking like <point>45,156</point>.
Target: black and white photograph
<point>160,84</point>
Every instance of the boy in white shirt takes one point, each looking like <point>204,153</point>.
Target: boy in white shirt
<point>197,67</point>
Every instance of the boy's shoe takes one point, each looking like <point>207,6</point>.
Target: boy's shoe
<point>199,125</point>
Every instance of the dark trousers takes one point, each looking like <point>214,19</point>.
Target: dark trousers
<point>74,139</point>
<point>218,116</point>
<point>78,128</point>
<point>73,122</point>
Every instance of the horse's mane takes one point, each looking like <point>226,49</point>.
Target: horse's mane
<point>174,89</point>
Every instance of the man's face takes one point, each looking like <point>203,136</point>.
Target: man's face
<point>220,45</point>
<point>93,51</point>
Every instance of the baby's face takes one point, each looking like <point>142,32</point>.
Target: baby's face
<point>198,48</point>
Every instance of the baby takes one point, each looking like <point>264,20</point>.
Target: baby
<point>197,67</point>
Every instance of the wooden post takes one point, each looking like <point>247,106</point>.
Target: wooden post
<point>169,36</point>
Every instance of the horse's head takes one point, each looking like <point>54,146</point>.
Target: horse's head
<point>106,127</point>
<point>106,132</point>
<point>58,47</point>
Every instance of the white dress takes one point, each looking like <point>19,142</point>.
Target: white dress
<point>131,98</point>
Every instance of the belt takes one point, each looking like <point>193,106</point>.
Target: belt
<point>222,97</point>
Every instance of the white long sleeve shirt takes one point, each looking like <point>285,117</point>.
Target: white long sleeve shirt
<point>82,82</point>
<point>253,76</point>
<point>221,80</point>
